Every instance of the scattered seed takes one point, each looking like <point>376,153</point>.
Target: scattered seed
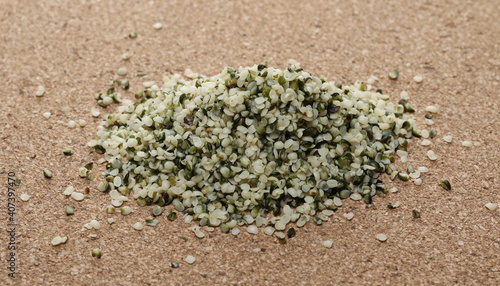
<point>103,186</point>
<point>415,214</point>
<point>446,185</point>
<point>418,78</point>
<point>447,139</point>
<point>82,172</point>
<point>46,115</point>
<point>96,252</point>
<point>68,152</point>
<point>349,216</point>
<point>40,91</point>
<point>24,197</point>
<point>90,176</point>
<point>174,265</point>
<point>95,224</point>
<point>403,177</point>
<point>393,206</point>
<point>393,74</point>
<point>291,232</point>
<point>423,169</point>
<point>328,243</point>
<point>125,210</point>
<point>190,259</point>
<point>132,35</point>
<point>382,237</point>
<point>70,210</point>
<point>47,174</point>
<point>432,132</point>
<point>467,144</point>
<point>111,220</point>
<point>415,175</point>
<point>95,112</point>
<point>82,122</point>
<point>122,71</point>
<point>138,226</point>
<point>491,206</point>
<point>151,222</point>
<point>110,209</point>
<point>116,203</point>
<point>67,109</point>
<point>425,133</point>
<point>68,191</point>
<point>432,109</point>
<point>77,196</point>
<point>432,156</point>
<point>425,142</point>
<point>157,26</point>
<point>59,240</point>
<point>157,210</point>
<point>71,124</point>
<point>126,56</point>
<point>171,216</point>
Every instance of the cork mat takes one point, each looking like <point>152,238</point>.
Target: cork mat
<point>73,49</point>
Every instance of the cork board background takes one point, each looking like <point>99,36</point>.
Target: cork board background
<point>73,48</point>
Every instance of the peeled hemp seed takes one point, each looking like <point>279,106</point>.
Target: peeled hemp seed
<point>230,149</point>
<point>491,206</point>
<point>467,144</point>
<point>138,226</point>
<point>70,210</point>
<point>157,26</point>
<point>446,185</point>
<point>381,237</point>
<point>415,214</point>
<point>190,259</point>
<point>96,252</point>
<point>122,71</point>
<point>447,139</point>
<point>393,74</point>
<point>59,240</point>
<point>40,91</point>
<point>47,174</point>
<point>328,243</point>
<point>24,197</point>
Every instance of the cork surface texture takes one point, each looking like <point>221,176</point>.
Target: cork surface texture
<point>73,48</point>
